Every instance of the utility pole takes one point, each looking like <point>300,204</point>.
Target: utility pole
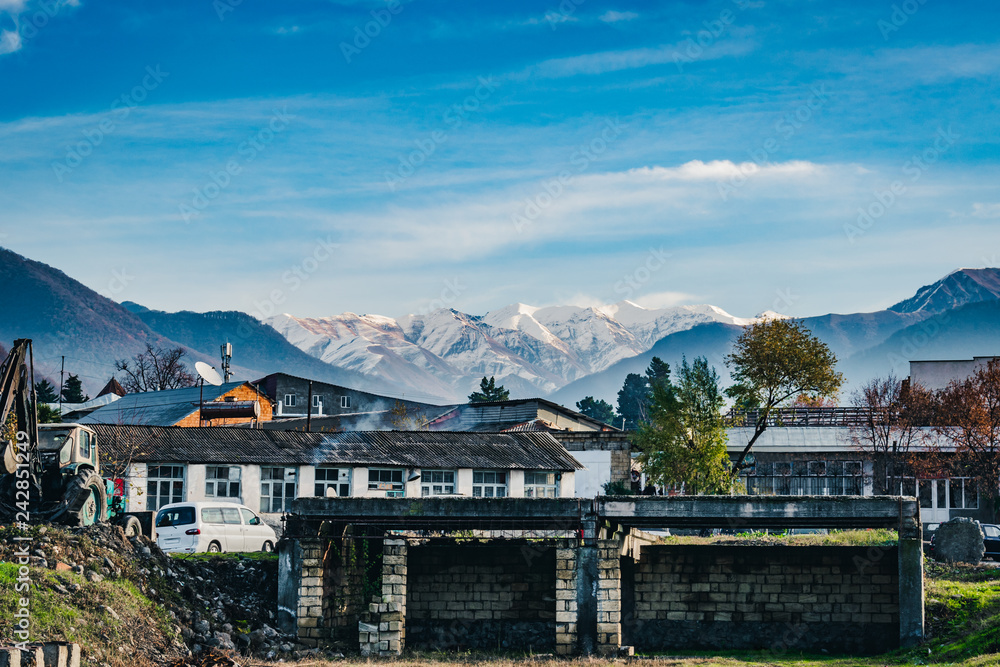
<point>62,371</point>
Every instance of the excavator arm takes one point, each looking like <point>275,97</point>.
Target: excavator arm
<point>17,394</point>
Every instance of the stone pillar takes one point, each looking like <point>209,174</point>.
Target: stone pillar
<point>289,571</point>
<point>566,605</point>
<point>911,584</point>
<point>609,596</point>
<point>383,632</point>
<point>309,606</point>
<point>586,586</point>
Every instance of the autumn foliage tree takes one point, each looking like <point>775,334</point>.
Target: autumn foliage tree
<point>970,420</point>
<point>891,415</point>
<point>774,361</point>
<point>156,369</point>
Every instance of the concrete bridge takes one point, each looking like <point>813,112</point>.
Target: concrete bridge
<point>579,576</point>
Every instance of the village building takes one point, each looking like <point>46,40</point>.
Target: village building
<point>526,414</point>
<point>229,404</point>
<point>266,469</point>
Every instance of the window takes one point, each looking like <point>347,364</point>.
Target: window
<point>277,487</point>
<point>783,468</point>
<point>86,447</point>
<point>164,485</point>
<point>489,484</point>
<point>991,532</point>
<point>345,402</point>
<point>231,515</point>
<point>289,400</point>
<point>249,518</point>
<point>540,485</point>
<point>222,482</point>
<point>177,516</point>
<point>317,404</point>
<point>852,468</point>
<point>333,482</point>
<point>963,494</point>
<point>212,515</point>
<point>437,482</point>
<point>389,480</point>
<point>816,468</point>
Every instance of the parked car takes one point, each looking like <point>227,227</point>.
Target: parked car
<point>212,527</point>
<point>991,541</point>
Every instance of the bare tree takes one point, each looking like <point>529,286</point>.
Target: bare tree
<point>970,420</point>
<point>891,414</point>
<point>155,369</point>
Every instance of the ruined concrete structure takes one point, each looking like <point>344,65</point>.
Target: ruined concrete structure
<point>581,576</point>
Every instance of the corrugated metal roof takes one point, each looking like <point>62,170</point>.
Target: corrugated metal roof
<point>529,451</point>
<point>157,408</point>
<point>419,449</point>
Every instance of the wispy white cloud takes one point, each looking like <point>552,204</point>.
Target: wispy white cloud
<point>986,210</point>
<point>612,16</point>
<point>614,61</point>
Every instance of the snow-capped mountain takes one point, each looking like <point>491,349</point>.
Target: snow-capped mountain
<point>530,350</point>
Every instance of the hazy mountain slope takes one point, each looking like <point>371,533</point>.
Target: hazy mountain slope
<point>958,288</point>
<point>850,334</point>
<point>257,348</point>
<point>64,317</point>
<point>960,333</point>
<point>531,351</point>
<point>712,340</point>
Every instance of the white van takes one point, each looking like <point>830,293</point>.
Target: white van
<point>212,527</point>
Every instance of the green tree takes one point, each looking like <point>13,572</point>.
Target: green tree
<point>73,390</point>
<point>633,401</point>
<point>598,409</point>
<point>489,390</point>
<point>658,371</point>
<point>47,415</point>
<point>45,392</point>
<point>773,361</point>
<point>684,441</point>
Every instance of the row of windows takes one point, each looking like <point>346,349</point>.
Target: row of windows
<point>278,485</point>
<point>291,400</point>
<point>812,468</point>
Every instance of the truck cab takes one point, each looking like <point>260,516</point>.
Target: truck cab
<point>67,446</point>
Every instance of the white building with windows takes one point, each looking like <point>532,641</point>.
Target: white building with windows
<point>264,469</point>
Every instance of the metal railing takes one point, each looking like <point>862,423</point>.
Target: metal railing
<point>804,417</point>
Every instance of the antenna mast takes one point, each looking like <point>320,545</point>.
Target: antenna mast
<point>227,356</point>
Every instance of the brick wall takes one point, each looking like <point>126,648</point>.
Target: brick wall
<point>777,598</point>
<point>481,596</point>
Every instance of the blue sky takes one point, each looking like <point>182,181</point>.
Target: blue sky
<point>273,157</point>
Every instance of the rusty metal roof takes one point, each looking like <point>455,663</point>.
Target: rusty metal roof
<point>418,449</point>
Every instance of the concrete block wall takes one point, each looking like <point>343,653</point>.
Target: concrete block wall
<point>309,618</point>
<point>481,596</point>
<point>567,607</point>
<point>778,598</point>
<point>609,596</point>
<point>382,631</point>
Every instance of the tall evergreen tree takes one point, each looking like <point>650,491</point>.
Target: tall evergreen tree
<point>73,390</point>
<point>45,392</point>
<point>489,390</point>
<point>683,444</point>
<point>598,409</point>
<point>633,401</point>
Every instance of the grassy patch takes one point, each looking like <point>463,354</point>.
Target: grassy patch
<point>230,555</point>
<point>83,615</point>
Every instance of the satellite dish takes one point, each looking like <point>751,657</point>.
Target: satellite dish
<point>208,373</point>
